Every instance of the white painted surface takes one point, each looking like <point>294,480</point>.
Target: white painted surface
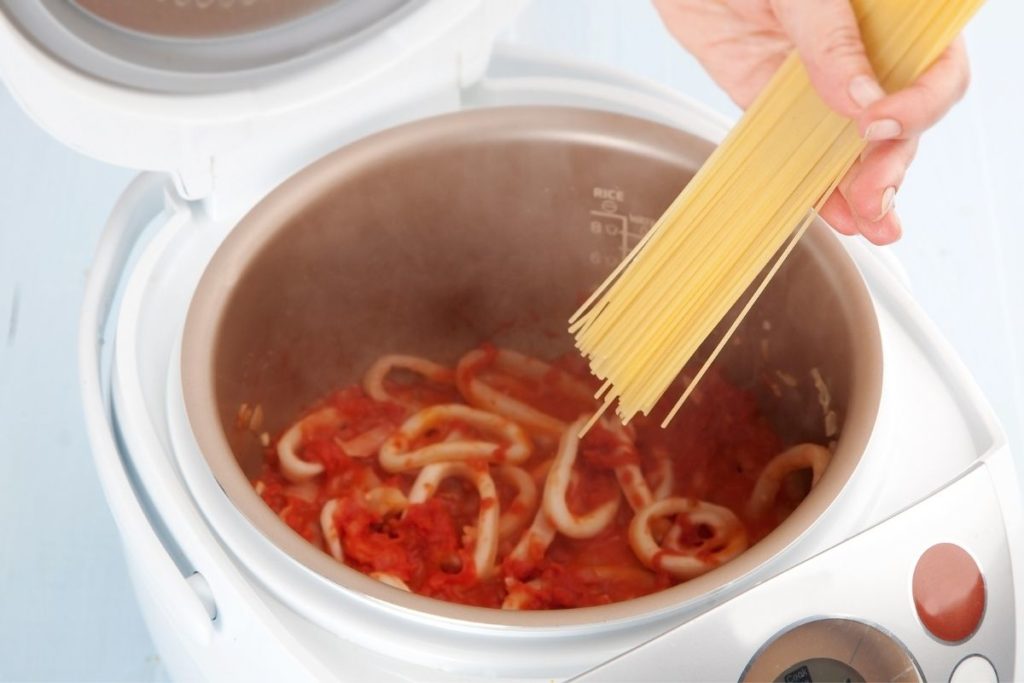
<point>67,611</point>
<point>67,608</point>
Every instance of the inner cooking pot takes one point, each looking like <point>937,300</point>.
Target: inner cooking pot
<point>491,225</point>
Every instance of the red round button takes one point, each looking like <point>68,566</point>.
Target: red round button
<point>949,592</point>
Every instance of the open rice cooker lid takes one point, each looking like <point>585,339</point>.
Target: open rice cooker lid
<point>181,85</point>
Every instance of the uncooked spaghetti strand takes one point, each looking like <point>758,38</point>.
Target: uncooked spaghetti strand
<point>693,189</point>
<point>711,321</point>
<point>716,273</point>
<point>649,318</point>
<point>736,323</point>
<point>799,233</point>
<point>612,289</point>
<point>735,215</point>
<point>711,283</point>
<point>740,284</point>
<point>646,404</point>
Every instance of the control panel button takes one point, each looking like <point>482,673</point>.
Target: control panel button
<point>949,592</point>
<point>974,669</point>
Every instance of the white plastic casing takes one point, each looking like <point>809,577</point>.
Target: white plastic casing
<point>273,629</point>
<point>222,142</point>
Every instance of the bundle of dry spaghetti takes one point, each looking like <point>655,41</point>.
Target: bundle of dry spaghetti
<point>743,213</point>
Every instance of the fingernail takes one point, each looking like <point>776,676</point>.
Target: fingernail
<point>883,129</point>
<point>888,198</point>
<point>865,91</point>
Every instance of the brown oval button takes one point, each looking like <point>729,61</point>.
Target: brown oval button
<point>949,592</point>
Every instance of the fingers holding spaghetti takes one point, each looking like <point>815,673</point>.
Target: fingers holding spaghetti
<point>865,199</point>
<point>907,113</point>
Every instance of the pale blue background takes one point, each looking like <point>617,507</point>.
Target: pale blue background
<point>67,610</point>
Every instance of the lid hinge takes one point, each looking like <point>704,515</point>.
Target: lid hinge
<point>193,179</point>
<point>493,17</point>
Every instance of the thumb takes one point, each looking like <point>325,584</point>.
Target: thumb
<point>828,40</point>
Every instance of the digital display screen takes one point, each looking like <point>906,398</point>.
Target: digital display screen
<point>820,670</point>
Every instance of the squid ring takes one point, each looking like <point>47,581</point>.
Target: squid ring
<point>630,476</point>
<point>728,538</point>
<point>802,456</point>
<point>572,525</point>
<point>297,470</point>
<point>373,381</point>
<point>294,468</point>
<point>395,455</point>
<point>518,511</point>
<point>665,476</point>
<point>534,543</point>
<point>426,484</point>
<point>481,395</point>
<point>631,480</point>
<point>380,500</point>
<point>330,529</point>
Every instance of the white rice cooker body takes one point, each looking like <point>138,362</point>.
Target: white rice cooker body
<point>216,151</point>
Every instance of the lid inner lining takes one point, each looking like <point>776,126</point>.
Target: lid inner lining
<point>198,46</point>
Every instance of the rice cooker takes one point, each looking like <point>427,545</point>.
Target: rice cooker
<point>326,181</point>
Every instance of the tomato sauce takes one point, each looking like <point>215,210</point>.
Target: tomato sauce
<point>716,448</point>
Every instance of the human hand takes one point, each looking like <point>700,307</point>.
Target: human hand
<point>742,42</point>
